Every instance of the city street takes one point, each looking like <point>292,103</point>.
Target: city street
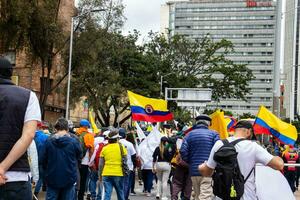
<point>141,196</point>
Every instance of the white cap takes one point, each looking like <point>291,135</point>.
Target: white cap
<point>105,133</point>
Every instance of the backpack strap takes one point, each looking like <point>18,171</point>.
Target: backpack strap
<point>249,174</point>
<point>237,141</point>
<point>227,143</point>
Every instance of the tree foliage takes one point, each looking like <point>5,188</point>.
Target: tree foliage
<point>108,64</point>
<point>36,28</point>
<point>247,116</point>
<point>202,62</point>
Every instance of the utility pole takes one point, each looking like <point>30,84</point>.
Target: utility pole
<point>278,58</point>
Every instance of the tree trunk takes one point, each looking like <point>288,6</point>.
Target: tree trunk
<point>124,119</point>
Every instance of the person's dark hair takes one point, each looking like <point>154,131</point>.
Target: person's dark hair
<point>61,125</point>
<point>180,126</point>
<point>6,73</point>
<point>6,68</point>
<point>130,138</point>
<point>113,132</point>
<point>111,141</point>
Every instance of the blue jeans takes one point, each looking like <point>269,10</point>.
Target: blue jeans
<point>93,186</point>
<point>147,176</point>
<point>16,191</point>
<point>127,185</point>
<point>111,182</point>
<point>61,194</point>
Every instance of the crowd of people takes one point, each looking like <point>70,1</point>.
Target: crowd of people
<point>76,163</point>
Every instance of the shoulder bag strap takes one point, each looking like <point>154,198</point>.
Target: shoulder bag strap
<point>121,150</point>
<point>237,141</point>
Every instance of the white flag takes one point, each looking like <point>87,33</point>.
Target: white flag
<point>271,184</point>
<point>147,147</point>
<point>140,132</point>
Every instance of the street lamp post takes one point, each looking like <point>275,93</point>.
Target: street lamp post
<point>70,58</point>
<point>161,82</point>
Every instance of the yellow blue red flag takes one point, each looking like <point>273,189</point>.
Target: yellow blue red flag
<point>218,124</point>
<point>230,123</point>
<point>267,123</point>
<point>148,109</point>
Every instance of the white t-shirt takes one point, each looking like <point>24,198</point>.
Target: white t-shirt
<point>130,152</point>
<point>98,140</point>
<point>86,159</point>
<point>92,159</point>
<point>33,113</point>
<point>249,153</point>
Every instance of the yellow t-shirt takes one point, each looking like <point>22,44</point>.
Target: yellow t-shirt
<point>112,160</point>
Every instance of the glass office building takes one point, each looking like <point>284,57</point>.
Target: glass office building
<point>249,24</point>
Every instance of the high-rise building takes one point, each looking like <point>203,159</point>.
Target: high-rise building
<point>291,61</point>
<point>249,24</point>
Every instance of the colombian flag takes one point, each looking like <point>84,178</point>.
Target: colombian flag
<point>148,109</point>
<point>230,122</point>
<point>267,123</point>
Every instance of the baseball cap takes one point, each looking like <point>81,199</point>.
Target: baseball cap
<point>113,135</point>
<point>122,132</point>
<point>85,123</point>
<point>247,125</point>
<point>203,117</point>
<point>244,124</point>
<point>106,133</point>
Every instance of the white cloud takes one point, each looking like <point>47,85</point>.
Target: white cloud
<point>142,15</point>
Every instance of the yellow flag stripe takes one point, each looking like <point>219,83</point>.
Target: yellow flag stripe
<point>141,101</point>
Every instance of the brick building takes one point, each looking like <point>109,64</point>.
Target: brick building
<point>29,74</point>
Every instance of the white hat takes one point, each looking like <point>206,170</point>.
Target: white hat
<point>105,133</point>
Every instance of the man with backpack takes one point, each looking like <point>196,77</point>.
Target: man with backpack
<point>195,150</point>
<point>232,164</point>
<point>86,140</point>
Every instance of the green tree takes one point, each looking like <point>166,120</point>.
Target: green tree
<point>37,28</point>
<point>106,64</point>
<point>247,115</point>
<point>34,27</point>
<point>202,62</point>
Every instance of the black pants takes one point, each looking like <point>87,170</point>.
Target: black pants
<point>84,170</point>
<point>291,178</point>
<point>16,191</point>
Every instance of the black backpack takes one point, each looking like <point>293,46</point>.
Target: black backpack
<point>228,181</point>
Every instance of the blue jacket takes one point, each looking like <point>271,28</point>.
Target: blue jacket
<point>40,140</point>
<point>196,147</point>
<point>60,157</point>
